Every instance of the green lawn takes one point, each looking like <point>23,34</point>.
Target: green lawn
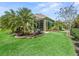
<point>52,44</point>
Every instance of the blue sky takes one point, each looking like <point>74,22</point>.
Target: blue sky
<point>46,8</point>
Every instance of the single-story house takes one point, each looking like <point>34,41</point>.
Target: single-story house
<point>43,22</point>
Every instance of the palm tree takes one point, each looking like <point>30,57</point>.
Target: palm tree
<point>21,21</point>
<point>8,20</point>
<point>27,19</point>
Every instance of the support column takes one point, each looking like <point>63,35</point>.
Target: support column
<point>44,26</point>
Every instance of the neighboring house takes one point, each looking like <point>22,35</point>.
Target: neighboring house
<point>43,22</point>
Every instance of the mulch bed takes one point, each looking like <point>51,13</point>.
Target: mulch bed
<point>33,35</point>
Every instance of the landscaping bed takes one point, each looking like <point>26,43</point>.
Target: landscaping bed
<point>75,38</point>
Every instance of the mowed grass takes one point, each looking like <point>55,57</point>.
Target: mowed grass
<point>49,44</point>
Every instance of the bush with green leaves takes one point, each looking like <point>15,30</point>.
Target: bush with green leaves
<point>59,26</point>
<point>75,33</point>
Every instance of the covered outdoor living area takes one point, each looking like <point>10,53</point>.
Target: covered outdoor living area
<point>43,22</point>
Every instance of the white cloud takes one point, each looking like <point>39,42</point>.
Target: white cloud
<point>6,8</point>
<point>3,8</point>
<point>46,7</point>
<point>76,3</point>
<point>41,5</point>
<point>53,5</point>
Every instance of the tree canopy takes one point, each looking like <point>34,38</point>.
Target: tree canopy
<point>21,20</point>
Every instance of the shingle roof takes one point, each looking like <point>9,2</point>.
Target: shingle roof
<point>39,16</point>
